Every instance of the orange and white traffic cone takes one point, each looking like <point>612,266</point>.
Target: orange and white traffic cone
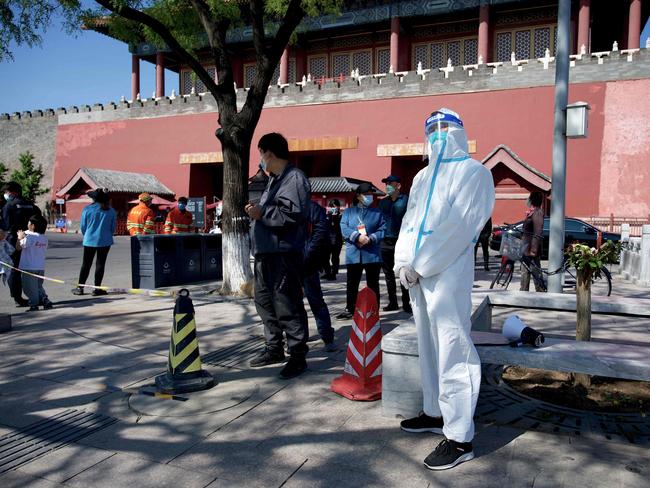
<point>361,379</point>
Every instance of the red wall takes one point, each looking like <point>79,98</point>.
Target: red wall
<point>521,119</point>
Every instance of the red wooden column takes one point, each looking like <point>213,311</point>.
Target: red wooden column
<point>284,68</point>
<point>160,75</point>
<point>484,33</point>
<point>394,43</point>
<point>634,25</point>
<point>584,18</point>
<point>135,76</point>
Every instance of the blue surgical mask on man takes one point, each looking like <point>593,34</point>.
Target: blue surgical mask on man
<point>390,189</point>
<point>181,207</point>
<point>367,200</point>
<point>262,165</point>
<point>8,196</point>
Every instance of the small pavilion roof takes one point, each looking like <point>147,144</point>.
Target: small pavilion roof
<point>116,182</point>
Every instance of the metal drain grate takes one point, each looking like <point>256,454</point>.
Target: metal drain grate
<point>232,355</point>
<point>47,435</point>
<point>500,404</point>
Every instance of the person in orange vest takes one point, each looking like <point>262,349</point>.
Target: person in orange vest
<point>140,219</point>
<point>178,220</point>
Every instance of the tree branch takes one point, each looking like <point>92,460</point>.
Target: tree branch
<point>216,32</point>
<point>160,29</point>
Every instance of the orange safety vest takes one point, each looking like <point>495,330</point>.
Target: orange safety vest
<point>178,222</point>
<point>140,220</point>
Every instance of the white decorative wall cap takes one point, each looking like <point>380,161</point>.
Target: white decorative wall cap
<point>495,64</point>
<point>470,66</point>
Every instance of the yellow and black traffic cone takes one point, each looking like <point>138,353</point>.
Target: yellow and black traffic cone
<point>184,373</point>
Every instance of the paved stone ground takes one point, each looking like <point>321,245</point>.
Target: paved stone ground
<point>88,358</point>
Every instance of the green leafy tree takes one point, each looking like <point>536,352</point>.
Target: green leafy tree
<point>188,27</point>
<point>3,173</point>
<point>29,176</point>
<point>589,263</point>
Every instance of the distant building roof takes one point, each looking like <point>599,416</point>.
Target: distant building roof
<point>338,184</point>
<point>116,182</point>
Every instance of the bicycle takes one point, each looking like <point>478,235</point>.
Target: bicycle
<point>511,252</point>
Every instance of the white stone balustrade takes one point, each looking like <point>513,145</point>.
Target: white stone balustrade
<point>634,263</point>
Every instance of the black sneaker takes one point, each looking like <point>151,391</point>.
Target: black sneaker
<point>331,346</point>
<point>21,302</point>
<point>99,292</point>
<point>422,423</point>
<point>449,454</point>
<point>33,308</point>
<point>266,357</point>
<point>408,309</point>
<point>295,367</point>
<point>391,307</point>
<point>345,315</point>
<point>77,291</point>
<point>48,305</point>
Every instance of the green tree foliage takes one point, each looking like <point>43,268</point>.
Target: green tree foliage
<point>3,173</point>
<point>29,176</point>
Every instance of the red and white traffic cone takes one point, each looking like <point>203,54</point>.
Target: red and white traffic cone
<point>361,379</point>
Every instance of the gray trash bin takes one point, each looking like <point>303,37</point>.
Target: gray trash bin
<point>212,257</point>
<point>190,257</point>
<point>155,261</point>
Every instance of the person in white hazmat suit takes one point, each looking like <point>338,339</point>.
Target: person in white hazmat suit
<point>451,199</point>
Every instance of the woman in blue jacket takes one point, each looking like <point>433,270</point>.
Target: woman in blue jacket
<point>98,223</point>
<point>362,227</point>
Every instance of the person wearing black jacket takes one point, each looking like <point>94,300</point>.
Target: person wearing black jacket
<point>279,234</point>
<point>15,216</point>
<point>316,251</point>
<point>331,264</point>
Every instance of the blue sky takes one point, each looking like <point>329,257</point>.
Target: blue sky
<point>66,70</point>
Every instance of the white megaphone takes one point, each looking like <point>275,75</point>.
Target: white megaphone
<point>519,333</point>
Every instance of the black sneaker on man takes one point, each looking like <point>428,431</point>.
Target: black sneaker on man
<point>391,307</point>
<point>449,454</point>
<point>77,291</point>
<point>296,366</point>
<point>266,357</point>
<point>422,423</point>
<point>48,305</point>
<point>331,346</point>
<point>21,302</point>
<point>33,308</point>
<point>97,292</point>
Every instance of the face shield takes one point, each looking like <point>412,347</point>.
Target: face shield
<point>444,136</point>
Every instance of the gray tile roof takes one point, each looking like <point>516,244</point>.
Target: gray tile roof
<point>119,181</point>
<point>337,184</point>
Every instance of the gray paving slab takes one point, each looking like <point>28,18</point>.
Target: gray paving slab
<point>64,463</point>
<point>124,470</point>
<point>17,479</point>
<point>296,433</point>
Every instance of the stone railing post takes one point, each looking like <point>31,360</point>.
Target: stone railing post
<point>644,276</point>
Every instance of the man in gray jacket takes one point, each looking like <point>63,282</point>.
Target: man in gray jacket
<point>279,235</point>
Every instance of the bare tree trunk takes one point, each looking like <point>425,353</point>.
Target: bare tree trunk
<point>236,246</point>
<point>583,310</point>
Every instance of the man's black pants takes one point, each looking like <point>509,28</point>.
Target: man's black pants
<point>278,299</point>
<point>15,278</point>
<point>388,263</point>
<point>354,277</point>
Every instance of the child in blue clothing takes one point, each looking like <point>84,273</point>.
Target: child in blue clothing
<point>33,244</point>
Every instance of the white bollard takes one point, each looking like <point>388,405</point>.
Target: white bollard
<point>644,275</point>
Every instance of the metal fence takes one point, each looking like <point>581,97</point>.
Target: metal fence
<point>613,224</point>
